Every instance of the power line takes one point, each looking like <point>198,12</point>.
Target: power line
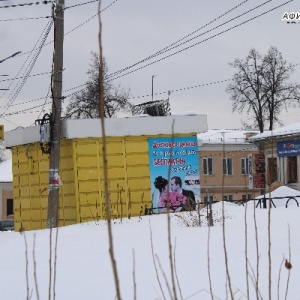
<point>174,43</point>
<point>25,4</point>
<point>80,4</point>
<point>25,19</point>
<point>75,28</point>
<point>29,68</point>
<point>134,97</point>
<point>34,75</point>
<point>202,41</point>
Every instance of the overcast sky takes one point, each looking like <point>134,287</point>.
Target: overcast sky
<point>132,31</point>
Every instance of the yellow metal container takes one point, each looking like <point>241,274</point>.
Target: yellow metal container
<point>81,195</point>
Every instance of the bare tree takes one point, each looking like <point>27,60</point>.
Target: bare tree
<point>261,86</point>
<point>86,103</point>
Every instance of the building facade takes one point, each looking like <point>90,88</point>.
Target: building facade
<point>6,191</point>
<point>281,149</point>
<point>226,165</point>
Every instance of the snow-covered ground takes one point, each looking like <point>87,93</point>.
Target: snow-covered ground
<point>84,271</point>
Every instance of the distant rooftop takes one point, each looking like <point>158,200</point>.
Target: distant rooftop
<point>289,130</point>
<point>231,136</point>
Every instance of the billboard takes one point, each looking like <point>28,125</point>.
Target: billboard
<point>288,148</point>
<point>259,171</point>
<point>174,173</point>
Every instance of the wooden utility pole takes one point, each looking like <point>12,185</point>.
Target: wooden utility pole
<point>54,181</point>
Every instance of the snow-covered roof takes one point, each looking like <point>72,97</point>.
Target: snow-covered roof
<point>289,130</point>
<point>216,136</point>
<point>6,171</point>
<point>87,128</point>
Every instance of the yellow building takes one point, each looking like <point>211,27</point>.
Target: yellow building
<point>81,195</point>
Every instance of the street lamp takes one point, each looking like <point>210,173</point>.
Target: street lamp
<point>13,55</point>
<point>152,85</point>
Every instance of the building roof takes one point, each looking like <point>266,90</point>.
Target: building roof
<point>290,130</point>
<point>217,136</point>
<point>6,171</point>
<point>89,128</point>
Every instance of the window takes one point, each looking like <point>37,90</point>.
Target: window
<point>228,197</point>
<point>208,199</point>
<point>207,166</point>
<point>227,166</point>
<point>247,197</point>
<point>272,169</point>
<point>9,207</point>
<point>244,166</point>
<point>292,169</point>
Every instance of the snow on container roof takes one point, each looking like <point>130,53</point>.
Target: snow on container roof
<point>85,128</point>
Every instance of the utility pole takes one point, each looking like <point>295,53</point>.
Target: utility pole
<point>54,181</point>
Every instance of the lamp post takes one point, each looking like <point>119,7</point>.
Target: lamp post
<point>11,56</point>
<point>152,85</point>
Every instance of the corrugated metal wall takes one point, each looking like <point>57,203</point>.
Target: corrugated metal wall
<point>128,173</point>
<point>82,196</point>
<point>30,183</point>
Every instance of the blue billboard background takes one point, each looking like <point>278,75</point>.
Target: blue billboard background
<point>288,148</point>
<point>179,156</point>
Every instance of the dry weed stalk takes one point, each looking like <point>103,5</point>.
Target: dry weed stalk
<point>169,223</point>
<point>246,250</point>
<point>105,168</point>
<point>26,262</point>
<point>288,264</point>
<point>269,249</point>
<point>165,277</point>
<point>257,253</point>
<point>223,228</point>
<point>254,282</point>
<point>129,204</point>
<point>176,271</point>
<point>208,264</point>
<point>246,242</point>
<point>133,275</point>
<point>279,276</point>
<point>50,263</point>
<point>203,290</point>
<point>154,263</point>
<point>55,263</point>
<point>34,270</point>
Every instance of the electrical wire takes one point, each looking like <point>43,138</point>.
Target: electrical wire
<point>134,97</point>
<point>29,68</point>
<point>20,70</point>
<point>25,19</point>
<point>34,75</point>
<point>80,4</point>
<point>25,4</point>
<point>181,39</point>
<point>202,41</point>
<point>75,28</point>
<point>192,46</point>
